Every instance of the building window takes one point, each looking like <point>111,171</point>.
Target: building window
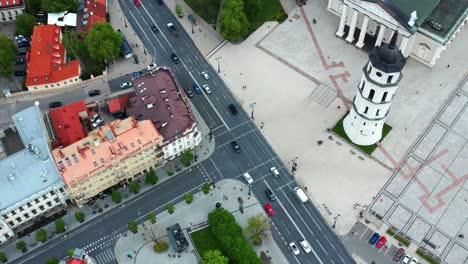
<point>365,110</point>
<point>34,211</point>
<point>10,223</point>
<point>36,200</point>
<point>51,85</point>
<point>364,124</point>
<point>19,219</point>
<point>41,207</point>
<point>371,94</point>
<point>26,215</point>
<point>389,79</point>
<point>46,86</point>
<point>378,112</point>
<point>65,82</point>
<point>57,200</point>
<point>384,97</point>
<point>369,69</point>
<point>379,74</point>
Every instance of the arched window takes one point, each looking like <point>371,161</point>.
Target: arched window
<point>365,110</point>
<point>384,97</point>
<point>371,94</point>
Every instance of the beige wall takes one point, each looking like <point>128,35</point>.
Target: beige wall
<point>57,85</point>
<point>10,14</point>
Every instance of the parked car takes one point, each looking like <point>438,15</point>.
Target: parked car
<point>205,75</point>
<point>160,2</point>
<point>305,246</point>
<point>406,259</point>
<point>235,146</point>
<point>173,30</point>
<point>152,66</point>
<point>207,88</point>
<point>154,28</point>
<point>126,85</point>
<point>197,88</point>
<point>18,37</point>
<point>399,254</point>
<point>20,61</point>
<point>269,209</point>
<point>55,104</point>
<point>270,194</point>
<point>23,44</point>
<point>274,171</point>
<point>22,51</point>
<point>374,238</point>
<point>98,122</point>
<point>248,178</point>
<point>294,248</point>
<point>188,91</point>
<point>233,109</point>
<point>94,93</point>
<point>94,117</point>
<point>19,73</point>
<point>137,2</point>
<point>174,58</point>
<point>382,241</point>
<point>137,74</point>
<point>414,261</point>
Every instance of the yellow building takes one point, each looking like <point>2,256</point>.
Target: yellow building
<point>110,155</point>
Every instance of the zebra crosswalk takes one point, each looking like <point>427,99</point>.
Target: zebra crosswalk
<point>105,257</point>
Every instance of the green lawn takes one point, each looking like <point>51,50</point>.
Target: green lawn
<point>209,13</point>
<point>205,240</point>
<point>427,257</point>
<point>339,130</point>
<point>398,237</point>
<point>271,10</point>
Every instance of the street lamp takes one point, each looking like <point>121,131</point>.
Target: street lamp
<point>125,22</point>
<point>336,218</point>
<point>252,105</point>
<point>250,186</point>
<point>193,31</point>
<point>219,70</point>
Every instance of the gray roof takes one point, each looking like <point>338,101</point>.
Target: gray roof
<point>32,170</point>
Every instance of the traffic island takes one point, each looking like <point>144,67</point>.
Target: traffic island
<point>338,130</point>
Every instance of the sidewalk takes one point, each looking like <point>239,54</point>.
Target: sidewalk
<point>226,192</point>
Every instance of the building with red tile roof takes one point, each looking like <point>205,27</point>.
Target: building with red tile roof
<point>91,12</point>
<point>68,123</point>
<point>47,65</point>
<point>10,9</point>
<point>79,256</point>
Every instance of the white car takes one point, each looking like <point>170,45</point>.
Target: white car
<point>274,171</point>
<point>294,248</point>
<point>248,178</point>
<point>414,261</point>
<point>306,246</point>
<point>205,75</point>
<point>152,66</point>
<point>406,259</point>
<point>207,88</point>
<point>126,85</point>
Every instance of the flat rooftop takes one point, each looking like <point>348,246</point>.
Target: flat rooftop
<point>159,98</point>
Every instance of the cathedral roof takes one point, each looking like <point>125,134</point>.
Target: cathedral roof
<point>387,57</point>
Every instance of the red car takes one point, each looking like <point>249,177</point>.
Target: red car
<point>382,241</point>
<point>137,2</point>
<point>269,209</point>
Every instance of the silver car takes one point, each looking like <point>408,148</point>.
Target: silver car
<point>207,88</point>
<point>205,76</point>
<point>126,85</point>
<point>294,248</point>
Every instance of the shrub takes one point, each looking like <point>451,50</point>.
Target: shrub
<point>170,208</point>
<point>206,188</point>
<point>187,158</point>
<point>398,237</point>
<point>21,245</point>
<point>133,226</point>
<point>3,257</point>
<point>281,16</point>
<point>188,198</point>
<point>178,10</point>
<point>59,226</point>
<point>427,257</point>
<point>52,261</point>
<point>151,177</point>
<point>80,216</point>
<point>116,196</point>
<point>160,246</point>
<point>170,172</point>
<point>152,217</point>
<point>134,187</point>
<point>70,252</point>
<point>41,235</point>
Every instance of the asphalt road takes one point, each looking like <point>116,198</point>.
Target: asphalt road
<point>293,220</point>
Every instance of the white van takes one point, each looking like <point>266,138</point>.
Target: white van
<point>301,194</point>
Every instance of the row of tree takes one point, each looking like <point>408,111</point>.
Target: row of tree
<point>51,6</point>
<point>231,238</point>
<point>235,16</point>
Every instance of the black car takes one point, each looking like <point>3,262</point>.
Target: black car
<point>270,194</point>
<point>188,91</point>
<point>55,104</point>
<point>20,73</point>
<point>23,44</point>
<point>22,51</point>
<point>174,58</point>
<point>20,61</point>
<point>154,29</point>
<point>173,30</point>
<point>94,92</point>
<point>235,146</point>
<point>233,109</point>
<point>160,2</point>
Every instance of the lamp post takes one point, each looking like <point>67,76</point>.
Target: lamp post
<point>125,22</point>
<point>336,218</point>
<point>250,186</point>
<point>219,69</point>
<point>193,31</point>
<point>252,105</point>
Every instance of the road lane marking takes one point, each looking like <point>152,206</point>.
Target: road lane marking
<point>294,223</point>
<point>365,230</point>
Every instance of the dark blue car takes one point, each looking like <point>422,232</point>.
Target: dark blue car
<point>137,74</point>
<point>197,88</point>
<point>374,238</point>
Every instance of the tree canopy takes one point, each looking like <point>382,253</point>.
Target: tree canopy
<point>8,52</point>
<point>214,257</point>
<point>55,6</point>
<point>103,42</point>
<point>252,7</point>
<point>233,22</point>
<point>33,6</point>
<point>25,24</point>
<point>257,229</point>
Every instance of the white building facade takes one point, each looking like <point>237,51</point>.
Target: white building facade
<point>190,139</point>
<point>423,27</point>
<point>377,88</point>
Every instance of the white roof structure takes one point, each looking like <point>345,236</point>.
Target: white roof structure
<point>62,19</point>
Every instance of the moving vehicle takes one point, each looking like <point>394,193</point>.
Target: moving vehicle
<point>160,2</point>
<point>269,209</point>
<point>374,238</point>
<point>274,171</point>
<point>197,88</point>
<point>399,254</point>
<point>382,241</point>
<point>174,58</point>
<point>207,88</point>
<point>154,28</point>
<point>126,85</point>
<point>248,178</point>
<point>305,246</point>
<point>173,30</point>
<point>301,195</point>
<point>233,109</point>
<point>270,194</point>
<point>94,93</point>
<point>55,104</point>
<point>137,2</point>
<point>235,146</point>
<point>294,248</point>
<point>205,75</point>
<point>188,91</point>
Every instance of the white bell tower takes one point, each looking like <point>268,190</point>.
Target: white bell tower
<point>377,87</point>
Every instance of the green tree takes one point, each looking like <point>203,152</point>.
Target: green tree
<point>55,6</point>
<point>170,208</point>
<point>188,198</point>
<point>70,252</point>
<point>80,216</point>
<point>152,217</point>
<point>214,257</point>
<point>187,157</point>
<point>135,187</point>
<point>116,196</point>
<point>8,52</point>
<point>206,188</point>
<point>52,261</point>
<point>160,246</point>
<point>252,7</point>
<point>21,245</point>
<point>33,6</point>
<point>41,235</point>
<point>170,172</point>
<point>133,226</point>
<point>3,257</point>
<point>25,24</point>
<point>233,22</point>
<point>257,228</point>
<point>103,42</point>
<point>151,177</point>
<point>59,226</point>
<point>178,10</point>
